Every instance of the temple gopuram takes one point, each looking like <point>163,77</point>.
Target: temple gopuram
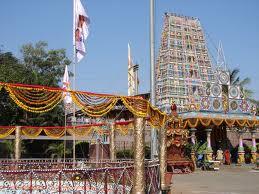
<point>212,107</point>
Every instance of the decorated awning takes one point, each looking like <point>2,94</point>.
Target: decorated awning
<point>39,99</point>
<point>123,127</point>
<point>195,119</point>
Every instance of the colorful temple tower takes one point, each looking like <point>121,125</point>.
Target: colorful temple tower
<point>206,99</point>
<point>183,68</point>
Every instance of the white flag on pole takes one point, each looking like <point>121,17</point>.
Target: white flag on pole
<point>81,26</point>
<point>131,77</point>
<point>67,96</point>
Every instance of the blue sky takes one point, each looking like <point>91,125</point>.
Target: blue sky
<point>114,23</point>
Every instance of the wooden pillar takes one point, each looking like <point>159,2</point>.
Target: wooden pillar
<point>193,139</point>
<point>253,150</point>
<point>209,149</point>
<point>241,152</point>
<point>139,156</point>
<point>112,141</point>
<point>163,158</point>
<point>17,143</point>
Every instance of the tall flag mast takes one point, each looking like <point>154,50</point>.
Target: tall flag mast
<point>131,75</point>
<point>67,102</point>
<point>80,33</point>
<point>152,78</point>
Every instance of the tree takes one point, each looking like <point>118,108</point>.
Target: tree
<point>57,150</point>
<point>11,71</point>
<point>47,66</point>
<point>235,80</point>
<point>7,149</point>
<point>38,65</point>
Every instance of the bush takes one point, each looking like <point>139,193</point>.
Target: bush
<point>129,154</point>
<point>122,154</point>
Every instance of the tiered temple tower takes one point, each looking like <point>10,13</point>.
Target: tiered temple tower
<point>183,68</point>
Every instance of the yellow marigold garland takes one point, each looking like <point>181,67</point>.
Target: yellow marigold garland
<point>217,122</point>
<point>39,99</point>
<point>193,122</point>
<point>6,131</point>
<point>230,122</point>
<point>80,131</point>
<point>185,124</point>
<point>137,106</point>
<point>241,122</point>
<point>36,100</point>
<point>124,128</point>
<point>95,110</point>
<point>54,132</point>
<point>31,132</point>
<point>205,121</point>
<point>156,117</point>
<point>43,106</point>
<point>251,123</point>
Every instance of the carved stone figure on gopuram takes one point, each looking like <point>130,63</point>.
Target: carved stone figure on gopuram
<point>177,138</point>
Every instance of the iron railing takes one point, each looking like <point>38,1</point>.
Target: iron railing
<point>115,177</point>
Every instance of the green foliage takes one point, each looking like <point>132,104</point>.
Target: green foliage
<point>197,148</point>
<point>201,148</point>
<point>82,149</point>
<point>122,154</point>
<point>129,153</point>
<point>11,70</point>
<point>47,66</point>
<point>236,80</point>
<point>7,149</point>
<point>38,65</point>
<point>56,150</point>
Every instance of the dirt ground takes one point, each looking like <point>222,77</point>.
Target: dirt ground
<point>228,180</point>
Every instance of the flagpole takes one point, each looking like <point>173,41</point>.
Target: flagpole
<point>152,78</point>
<point>74,85</point>
<point>65,137</point>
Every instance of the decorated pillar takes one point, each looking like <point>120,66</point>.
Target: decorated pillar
<point>112,141</point>
<point>193,139</point>
<point>163,159</point>
<point>209,149</point>
<point>139,156</point>
<point>193,130</point>
<point>17,143</point>
<point>241,152</point>
<point>253,150</point>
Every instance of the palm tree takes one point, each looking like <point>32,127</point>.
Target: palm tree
<point>57,150</point>
<point>235,80</point>
<point>7,149</point>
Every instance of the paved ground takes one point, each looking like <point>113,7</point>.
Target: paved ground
<point>228,180</point>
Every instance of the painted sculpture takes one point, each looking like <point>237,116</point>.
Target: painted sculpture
<point>177,138</point>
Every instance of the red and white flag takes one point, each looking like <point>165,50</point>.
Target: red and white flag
<point>81,29</point>
<point>66,86</point>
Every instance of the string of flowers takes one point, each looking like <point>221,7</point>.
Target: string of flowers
<point>39,99</point>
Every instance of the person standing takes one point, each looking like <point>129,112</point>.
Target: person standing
<point>227,157</point>
<point>220,155</point>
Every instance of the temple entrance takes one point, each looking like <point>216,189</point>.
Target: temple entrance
<point>219,139</point>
